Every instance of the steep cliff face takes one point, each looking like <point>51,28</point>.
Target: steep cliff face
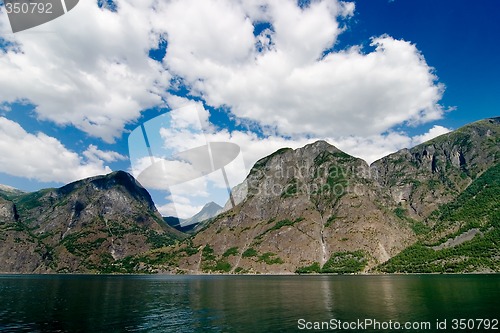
<point>301,207</point>
<point>431,208</point>
<point>435,172</point>
<point>317,209</point>
<point>82,227</point>
<point>465,234</point>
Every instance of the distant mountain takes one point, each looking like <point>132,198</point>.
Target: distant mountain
<point>189,225</point>
<point>208,211</point>
<point>318,209</point>
<point>173,221</point>
<point>8,191</point>
<point>91,225</point>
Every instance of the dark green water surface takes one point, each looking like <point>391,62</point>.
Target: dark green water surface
<point>81,303</point>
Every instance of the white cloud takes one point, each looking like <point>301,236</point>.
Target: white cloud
<point>290,85</point>
<point>89,68</point>
<point>94,154</point>
<point>179,206</point>
<point>5,107</point>
<point>44,158</point>
<point>373,147</point>
<point>435,131</point>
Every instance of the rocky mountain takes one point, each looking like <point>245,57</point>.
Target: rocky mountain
<point>189,225</point>
<point>85,226</point>
<point>464,236</point>
<point>208,211</point>
<point>8,191</point>
<point>433,173</point>
<point>432,208</point>
<point>462,232</point>
<point>317,209</point>
<point>297,209</point>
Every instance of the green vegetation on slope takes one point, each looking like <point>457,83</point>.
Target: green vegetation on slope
<point>339,263</point>
<point>478,207</point>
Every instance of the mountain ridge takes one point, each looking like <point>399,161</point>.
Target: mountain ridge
<point>82,227</point>
<point>315,209</point>
<point>392,205</point>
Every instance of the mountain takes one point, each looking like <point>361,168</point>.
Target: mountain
<point>298,209</point>
<point>189,225</point>
<point>432,208</point>
<point>208,211</point>
<point>435,172</point>
<point>86,226</point>
<point>318,209</point>
<point>173,221</point>
<point>465,236</point>
<point>463,231</point>
<point>8,191</point>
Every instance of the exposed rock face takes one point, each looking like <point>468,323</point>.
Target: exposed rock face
<point>303,206</point>
<point>82,227</point>
<point>314,209</point>
<point>435,172</point>
<point>6,191</point>
<point>317,206</point>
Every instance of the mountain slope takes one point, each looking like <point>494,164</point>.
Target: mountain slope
<point>431,208</point>
<point>85,226</point>
<point>435,172</point>
<point>466,233</point>
<point>297,208</point>
<point>8,191</point>
<point>317,209</point>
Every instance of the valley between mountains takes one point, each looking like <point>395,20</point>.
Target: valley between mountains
<point>432,208</point>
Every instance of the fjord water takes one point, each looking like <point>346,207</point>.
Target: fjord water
<point>79,303</point>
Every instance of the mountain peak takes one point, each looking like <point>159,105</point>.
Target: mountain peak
<point>210,210</point>
<point>211,205</point>
<point>116,179</point>
<point>9,190</point>
<point>305,152</point>
<point>320,146</point>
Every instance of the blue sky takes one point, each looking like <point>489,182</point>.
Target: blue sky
<point>369,76</point>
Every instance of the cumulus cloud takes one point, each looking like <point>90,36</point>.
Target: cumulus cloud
<point>179,206</point>
<point>288,78</point>
<point>94,154</point>
<point>435,131</point>
<point>89,68</point>
<point>44,158</point>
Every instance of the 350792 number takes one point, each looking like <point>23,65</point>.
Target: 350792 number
<point>28,8</point>
<point>474,324</point>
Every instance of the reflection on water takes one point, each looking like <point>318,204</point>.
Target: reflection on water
<point>235,303</point>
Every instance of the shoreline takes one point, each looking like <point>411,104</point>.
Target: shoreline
<point>235,275</point>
